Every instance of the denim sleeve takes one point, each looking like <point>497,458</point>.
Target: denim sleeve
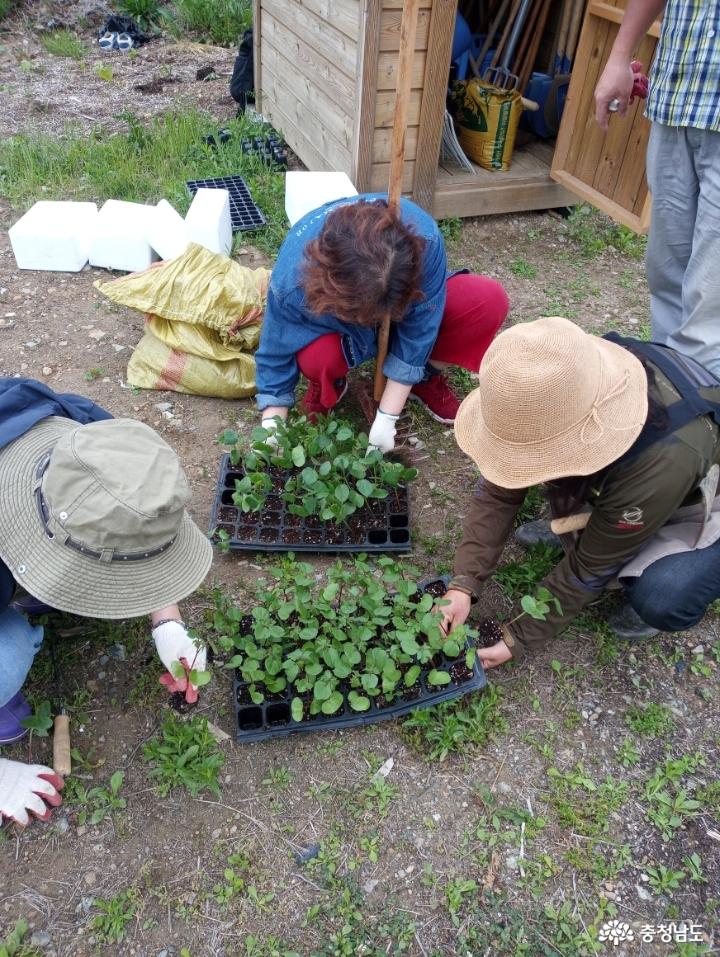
<point>412,339</point>
<point>276,368</point>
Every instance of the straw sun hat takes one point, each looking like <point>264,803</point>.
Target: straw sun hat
<point>553,401</point>
<point>93,520</point>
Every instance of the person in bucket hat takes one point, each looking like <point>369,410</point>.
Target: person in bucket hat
<point>92,522</point>
<point>624,437</point>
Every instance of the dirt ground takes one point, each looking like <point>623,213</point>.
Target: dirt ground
<point>502,848</point>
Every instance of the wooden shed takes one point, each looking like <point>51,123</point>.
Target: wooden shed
<point>325,76</point>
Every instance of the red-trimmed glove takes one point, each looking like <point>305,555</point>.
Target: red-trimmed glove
<point>640,81</point>
<point>28,789</point>
<point>175,645</point>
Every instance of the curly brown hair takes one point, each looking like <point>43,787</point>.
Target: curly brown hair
<point>365,264</point>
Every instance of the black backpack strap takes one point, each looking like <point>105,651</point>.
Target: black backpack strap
<point>687,376</point>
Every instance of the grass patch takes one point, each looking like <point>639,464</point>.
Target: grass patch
<point>652,720</point>
<point>143,164</point>
<point>185,754</point>
<point>63,43</point>
<point>593,233</point>
<point>520,578</point>
<point>582,805</point>
<point>456,725</point>
<point>221,22</point>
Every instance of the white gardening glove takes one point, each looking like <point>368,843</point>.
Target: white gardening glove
<point>25,789</point>
<point>382,433</point>
<point>271,426</point>
<point>175,645</point>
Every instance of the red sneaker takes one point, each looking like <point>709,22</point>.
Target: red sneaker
<point>310,404</point>
<point>438,398</point>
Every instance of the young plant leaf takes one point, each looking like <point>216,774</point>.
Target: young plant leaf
<point>296,709</point>
<point>436,677</point>
<point>358,702</point>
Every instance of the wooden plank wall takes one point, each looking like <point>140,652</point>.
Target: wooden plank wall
<point>307,76</point>
<point>385,101</point>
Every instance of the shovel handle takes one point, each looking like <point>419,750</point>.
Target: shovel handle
<point>62,764</point>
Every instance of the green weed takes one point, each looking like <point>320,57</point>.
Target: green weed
<point>663,879</point>
<point>517,578</point>
<point>63,43</point>
<point>12,945</point>
<point>531,506</point>
<point>40,721</point>
<point>147,13</point>
<point>95,803</point>
<point>456,725</point>
<point>593,232</point>
<point>103,72</point>
<point>97,372</point>
<point>653,720</point>
<point>111,924</point>
<point>582,805</point>
<point>524,269</point>
<point>144,164</point>
<point>222,22</point>
<point>185,754</point>
<point>668,804</point>
<point>451,228</point>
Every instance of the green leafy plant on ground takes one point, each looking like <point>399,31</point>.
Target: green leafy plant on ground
<point>111,924</point>
<point>669,805</point>
<point>146,163</point>
<point>184,754</point>
<point>12,945</point>
<point>520,577</point>
<point>147,13</point>
<point>593,233</point>
<point>222,22</point>
<point>96,803</point>
<point>456,726</point>
<point>650,719</point>
<point>582,805</point>
<point>63,43</point>
<point>321,468</point>
<point>352,631</point>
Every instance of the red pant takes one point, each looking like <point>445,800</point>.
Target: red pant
<point>475,308</point>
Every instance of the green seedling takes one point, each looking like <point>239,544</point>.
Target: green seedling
<point>103,72</point>
<point>12,945</point>
<point>40,722</point>
<point>663,879</point>
<point>95,803</point>
<point>111,924</point>
<point>355,631</point>
<point>330,471</point>
<point>95,373</point>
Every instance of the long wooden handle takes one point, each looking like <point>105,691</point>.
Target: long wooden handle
<point>477,64</point>
<point>574,30</point>
<point>406,56</point>
<point>62,764</point>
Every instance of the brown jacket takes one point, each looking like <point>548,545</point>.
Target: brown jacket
<point>636,499</point>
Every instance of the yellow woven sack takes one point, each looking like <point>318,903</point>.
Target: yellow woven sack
<point>155,365</point>
<point>197,287</point>
<point>486,118</point>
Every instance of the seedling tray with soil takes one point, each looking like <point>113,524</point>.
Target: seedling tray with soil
<point>354,651</point>
<point>318,489</point>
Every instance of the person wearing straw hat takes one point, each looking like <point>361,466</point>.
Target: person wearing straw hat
<point>624,436</point>
<point>92,522</point>
<point>341,269</point>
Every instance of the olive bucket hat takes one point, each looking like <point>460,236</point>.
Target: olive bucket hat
<point>93,520</point>
<point>553,401</point>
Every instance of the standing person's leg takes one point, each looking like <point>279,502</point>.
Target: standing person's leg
<point>673,593</point>
<point>324,365</point>
<point>475,308</point>
<point>673,182</point>
<point>698,335</point>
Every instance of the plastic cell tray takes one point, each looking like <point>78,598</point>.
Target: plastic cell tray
<point>244,212</point>
<point>276,530</point>
<point>273,719</point>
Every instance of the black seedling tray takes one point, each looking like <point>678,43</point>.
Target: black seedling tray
<point>277,530</point>
<point>268,148</point>
<point>244,212</point>
<point>272,719</point>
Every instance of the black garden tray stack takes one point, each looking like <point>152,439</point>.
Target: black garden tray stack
<point>244,212</point>
<point>383,526</point>
<point>272,718</point>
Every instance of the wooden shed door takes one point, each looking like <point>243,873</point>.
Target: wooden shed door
<point>605,169</point>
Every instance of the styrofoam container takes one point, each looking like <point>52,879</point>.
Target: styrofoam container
<point>119,239</point>
<point>208,221</point>
<point>166,231</point>
<point>53,235</point>
<point>306,191</point>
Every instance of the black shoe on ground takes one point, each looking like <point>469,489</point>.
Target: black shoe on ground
<point>629,626</point>
<point>536,533</point>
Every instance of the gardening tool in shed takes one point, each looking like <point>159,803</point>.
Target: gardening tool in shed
<point>501,75</point>
<point>408,29</point>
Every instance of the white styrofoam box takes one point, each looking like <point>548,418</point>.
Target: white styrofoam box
<point>53,235</point>
<point>166,231</point>
<point>119,239</point>
<point>208,220</point>
<point>306,191</point>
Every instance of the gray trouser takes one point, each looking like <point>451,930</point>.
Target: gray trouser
<point>683,253</point>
